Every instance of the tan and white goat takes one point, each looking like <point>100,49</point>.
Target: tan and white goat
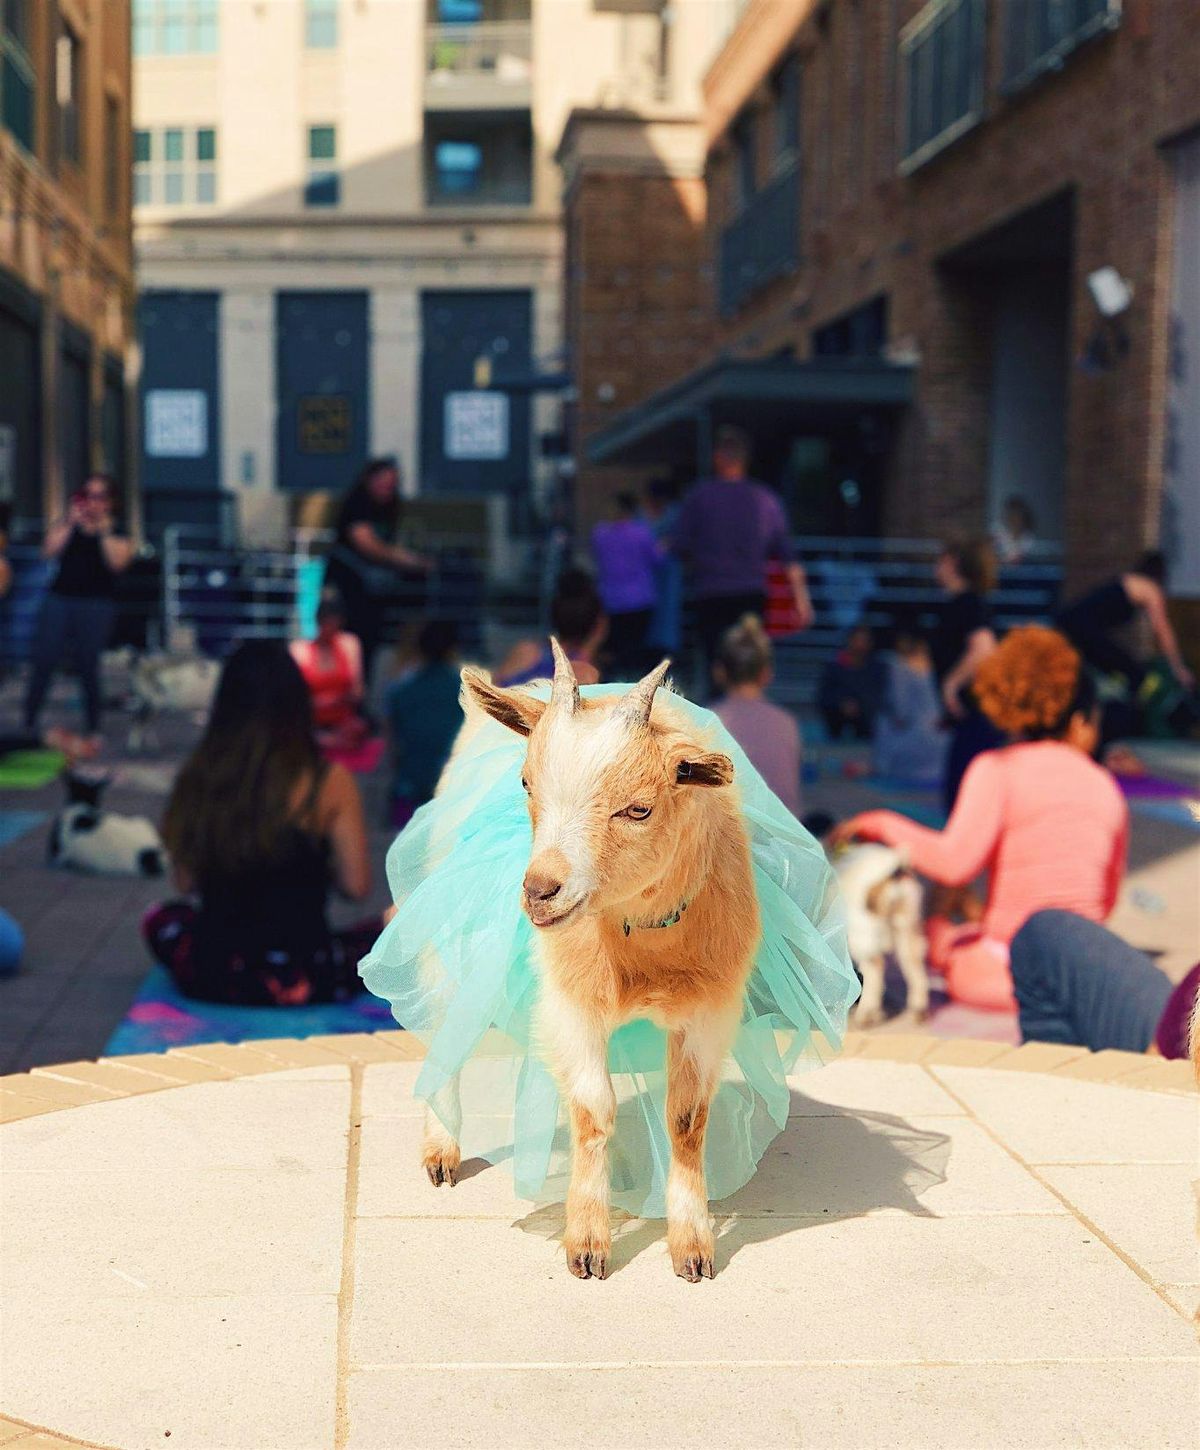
<point>635,829</point>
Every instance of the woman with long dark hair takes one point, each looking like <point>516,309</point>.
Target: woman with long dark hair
<point>365,560</point>
<point>260,829</point>
<point>80,609</point>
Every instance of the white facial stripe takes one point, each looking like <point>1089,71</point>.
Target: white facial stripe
<point>578,752</point>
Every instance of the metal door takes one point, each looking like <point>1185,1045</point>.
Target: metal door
<point>324,388</point>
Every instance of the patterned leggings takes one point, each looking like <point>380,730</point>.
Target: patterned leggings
<point>273,979</point>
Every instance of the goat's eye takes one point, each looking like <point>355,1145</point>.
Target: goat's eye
<point>635,813</point>
<point>524,785</point>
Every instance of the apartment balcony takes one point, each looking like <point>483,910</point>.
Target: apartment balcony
<point>1039,35</point>
<point>479,67</point>
<point>762,242</point>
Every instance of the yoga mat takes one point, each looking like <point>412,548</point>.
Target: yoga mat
<point>1152,787</point>
<point>30,769</point>
<point>14,824</point>
<point>161,1017</point>
<point>1184,812</point>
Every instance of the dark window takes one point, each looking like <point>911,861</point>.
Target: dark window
<point>942,57</point>
<point>458,168</point>
<point>471,160</point>
<point>114,153</point>
<point>861,333</point>
<point>785,100</point>
<point>18,84</point>
<point>1040,34</point>
<point>324,186</point>
<point>68,87</point>
<point>745,169</point>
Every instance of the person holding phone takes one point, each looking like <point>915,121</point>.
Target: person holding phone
<point>79,610</point>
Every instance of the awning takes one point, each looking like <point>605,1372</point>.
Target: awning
<point>819,397</point>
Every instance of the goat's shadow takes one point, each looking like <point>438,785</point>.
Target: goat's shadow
<point>828,1164</point>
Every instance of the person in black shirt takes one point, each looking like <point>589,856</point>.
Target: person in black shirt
<point>963,639</point>
<point>364,562</point>
<point>79,611</point>
<point>1090,621</point>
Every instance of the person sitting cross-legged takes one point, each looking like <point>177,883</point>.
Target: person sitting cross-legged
<point>1049,824</point>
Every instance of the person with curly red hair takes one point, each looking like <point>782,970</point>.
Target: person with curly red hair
<point>1047,823</point>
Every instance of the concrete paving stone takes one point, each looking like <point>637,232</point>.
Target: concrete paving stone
<point>179,1232</point>
<point>1058,1120</point>
<point>54,1090</point>
<point>1038,1057</point>
<point>246,1124</point>
<point>1148,1210</point>
<point>333,1073</point>
<point>362,1047</point>
<point>387,1090</point>
<point>14,1107</point>
<point>898,1046</point>
<point>240,1058</point>
<point>246,1373</point>
<point>171,1069</point>
<point>872,1086</point>
<point>1108,1406</point>
<point>392,1182</point>
<point>296,1052</point>
<point>1106,1066</point>
<point>866,1290</point>
<point>1168,1077</point>
<point>1185,1297</point>
<point>963,1052</point>
<point>10,1429</point>
<point>109,1075</point>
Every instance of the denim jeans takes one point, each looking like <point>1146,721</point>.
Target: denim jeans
<point>81,626</point>
<point>1077,983</point>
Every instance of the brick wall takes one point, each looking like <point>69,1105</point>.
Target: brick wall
<point>1094,131</point>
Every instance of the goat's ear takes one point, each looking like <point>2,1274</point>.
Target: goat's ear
<point>513,708</point>
<point>704,769</point>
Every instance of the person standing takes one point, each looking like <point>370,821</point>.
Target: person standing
<point>626,554</point>
<point>79,611</point>
<point>730,527</point>
<point>963,639</point>
<point>365,562</point>
<point>661,511</point>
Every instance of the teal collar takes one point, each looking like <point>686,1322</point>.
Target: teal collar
<point>671,920</point>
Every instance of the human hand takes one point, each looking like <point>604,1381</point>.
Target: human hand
<point>1183,675</point>
<point>804,610</point>
<point>951,700</point>
<point>845,832</point>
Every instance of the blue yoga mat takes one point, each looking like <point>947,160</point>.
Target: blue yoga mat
<point>161,1017</point>
<point>14,824</point>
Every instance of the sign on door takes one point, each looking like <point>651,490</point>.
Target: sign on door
<point>476,426</point>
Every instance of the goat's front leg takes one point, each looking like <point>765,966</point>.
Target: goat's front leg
<point>910,949</point>
<point>578,1044</point>
<point>695,1054</point>
<point>440,1152</point>
<point>869,1012</point>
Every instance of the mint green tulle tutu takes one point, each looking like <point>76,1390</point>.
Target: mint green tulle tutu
<point>457,963</point>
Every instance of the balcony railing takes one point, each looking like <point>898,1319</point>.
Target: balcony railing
<point>494,59</point>
<point>1040,34</point>
<point>942,62</point>
<point>762,242</point>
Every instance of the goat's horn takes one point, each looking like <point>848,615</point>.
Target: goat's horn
<point>564,693</point>
<point>635,706</point>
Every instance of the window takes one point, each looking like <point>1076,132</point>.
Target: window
<point>68,89</point>
<point>785,105</point>
<point>321,24</point>
<point>114,155</point>
<point>458,168</point>
<point>18,81</point>
<point>1040,34</point>
<point>324,185</point>
<point>861,333</point>
<point>175,27</point>
<point>176,166</point>
<point>745,171</point>
<point>459,12</point>
<point>942,60</point>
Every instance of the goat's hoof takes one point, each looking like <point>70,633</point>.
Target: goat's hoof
<point>915,1015</point>
<point>694,1267</point>
<point>872,1017</point>
<point>588,1263</point>
<point>442,1167</point>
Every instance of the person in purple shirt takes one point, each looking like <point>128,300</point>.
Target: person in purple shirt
<point>730,528</point>
<point>626,554</point>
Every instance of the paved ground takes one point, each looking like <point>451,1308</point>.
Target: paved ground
<point>84,958</point>
<point>952,1249</point>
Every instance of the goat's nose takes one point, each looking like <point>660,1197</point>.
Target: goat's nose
<point>540,887</point>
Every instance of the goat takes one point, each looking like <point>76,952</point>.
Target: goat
<point>635,827</point>
<point>883,914</point>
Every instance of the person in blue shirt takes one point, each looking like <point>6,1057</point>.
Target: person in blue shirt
<point>423,717</point>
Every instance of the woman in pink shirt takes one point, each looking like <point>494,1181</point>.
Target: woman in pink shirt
<point>1047,823</point>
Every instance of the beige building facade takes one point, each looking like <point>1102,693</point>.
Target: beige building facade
<point>349,217</point>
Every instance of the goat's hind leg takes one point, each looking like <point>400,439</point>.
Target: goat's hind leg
<point>910,949</point>
<point>695,1054</point>
<point>440,1151</point>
